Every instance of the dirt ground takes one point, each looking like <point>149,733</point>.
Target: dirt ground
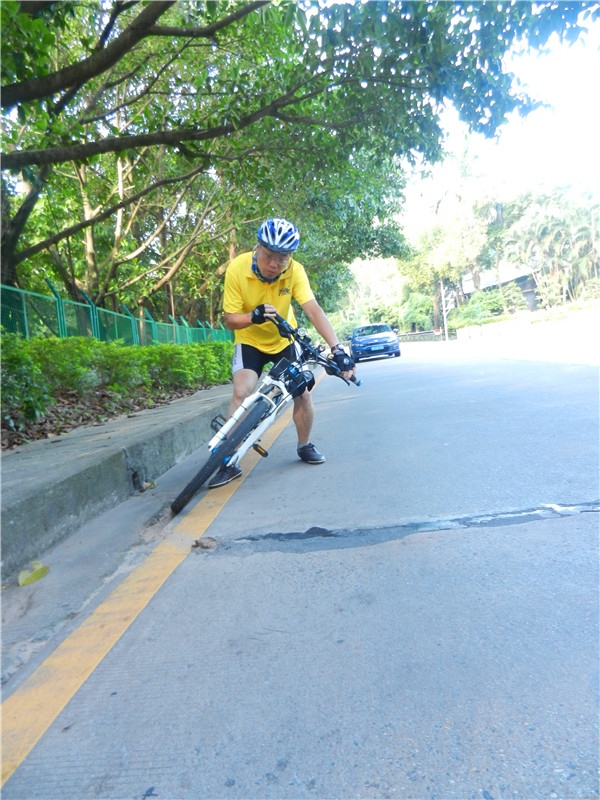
<point>72,411</point>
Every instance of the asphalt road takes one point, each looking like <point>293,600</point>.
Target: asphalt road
<point>415,618</point>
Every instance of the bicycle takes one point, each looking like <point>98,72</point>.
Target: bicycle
<point>278,387</point>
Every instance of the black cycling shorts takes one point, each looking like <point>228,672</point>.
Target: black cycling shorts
<point>247,357</point>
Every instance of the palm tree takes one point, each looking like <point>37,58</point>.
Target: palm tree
<point>555,239</point>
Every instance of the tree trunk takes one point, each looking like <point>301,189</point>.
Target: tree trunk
<point>12,229</point>
<point>91,271</point>
<point>436,310</point>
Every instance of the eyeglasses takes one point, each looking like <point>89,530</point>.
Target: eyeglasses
<point>279,259</point>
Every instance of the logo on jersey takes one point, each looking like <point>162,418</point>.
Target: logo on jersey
<point>284,291</point>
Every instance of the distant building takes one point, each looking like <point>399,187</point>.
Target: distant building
<point>506,273</point>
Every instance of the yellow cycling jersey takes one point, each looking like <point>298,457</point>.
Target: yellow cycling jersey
<point>244,291</point>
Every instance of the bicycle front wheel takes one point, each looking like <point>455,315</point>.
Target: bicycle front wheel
<point>224,452</point>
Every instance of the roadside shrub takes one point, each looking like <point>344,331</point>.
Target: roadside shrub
<point>164,367</point>
<point>36,372</point>
<point>26,393</point>
<point>548,291</point>
<point>172,365</point>
<point>122,370</point>
<point>202,364</point>
<point>482,306</point>
<point>215,362</point>
<point>512,298</point>
<point>68,364</point>
<point>591,290</point>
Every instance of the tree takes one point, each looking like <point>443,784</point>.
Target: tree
<point>417,312</point>
<point>555,240</point>
<point>140,124</point>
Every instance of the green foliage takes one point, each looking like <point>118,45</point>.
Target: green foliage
<point>36,37</point>
<point>68,364</point>
<point>389,313</point>
<point>555,238</point>
<point>192,365</point>
<point>122,369</point>
<point>512,297</point>
<point>552,237</point>
<point>26,393</point>
<point>36,372</point>
<point>420,270</point>
<point>292,109</point>
<point>481,306</point>
<point>548,291</point>
<point>330,285</point>
<point>417,313</point>
<point>592,289</point>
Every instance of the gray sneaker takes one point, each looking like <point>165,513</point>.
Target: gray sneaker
<point>310,454</point>
<point>225,475</point>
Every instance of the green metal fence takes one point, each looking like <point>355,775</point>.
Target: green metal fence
<point>30,314</point>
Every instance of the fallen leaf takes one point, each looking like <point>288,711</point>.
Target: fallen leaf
<point>38,570</point>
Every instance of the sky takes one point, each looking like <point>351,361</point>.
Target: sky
<point>559,144</point>
<point>553,146</point>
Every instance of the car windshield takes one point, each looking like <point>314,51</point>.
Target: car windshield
<point>369,330</point>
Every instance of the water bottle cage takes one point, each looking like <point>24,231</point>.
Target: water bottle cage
<point>296,380</point>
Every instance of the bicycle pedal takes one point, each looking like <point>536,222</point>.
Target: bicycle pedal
<point>217,422</point>
<point>260,450</point>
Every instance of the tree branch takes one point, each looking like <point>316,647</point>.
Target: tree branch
<point>209,30</point>
<point>96,64</point>
<point>73,229</point>
<point>142,27</point>
<point>58,155</point>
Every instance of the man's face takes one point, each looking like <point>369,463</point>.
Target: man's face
<point>270,263</point>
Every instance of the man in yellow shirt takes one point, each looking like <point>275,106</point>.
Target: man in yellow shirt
<point>259,285</point>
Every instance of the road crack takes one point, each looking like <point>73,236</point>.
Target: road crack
<point>317,538</point>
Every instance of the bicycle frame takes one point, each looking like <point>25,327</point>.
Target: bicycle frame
<point>277,406</point>
<point>274,389</point>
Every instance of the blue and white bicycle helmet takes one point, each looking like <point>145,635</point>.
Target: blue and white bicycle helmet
<point>279,235</point>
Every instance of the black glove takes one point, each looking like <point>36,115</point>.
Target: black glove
<point>258,315</point>
<point>342,360</point>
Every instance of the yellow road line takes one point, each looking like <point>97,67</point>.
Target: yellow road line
<point>32,708</point>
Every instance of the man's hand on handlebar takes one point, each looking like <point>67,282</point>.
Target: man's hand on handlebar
<point>263,313</point>
<point>343,362</point>
<point>338,362</point>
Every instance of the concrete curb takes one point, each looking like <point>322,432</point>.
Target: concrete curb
<point>51,488</point>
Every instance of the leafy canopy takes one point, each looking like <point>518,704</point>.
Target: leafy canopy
<point>140,138</point>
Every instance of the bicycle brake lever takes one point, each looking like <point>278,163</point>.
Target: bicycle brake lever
<point>335,371</point>
<point>283,326</point>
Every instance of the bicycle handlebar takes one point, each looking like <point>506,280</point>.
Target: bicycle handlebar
<point>287,331</point>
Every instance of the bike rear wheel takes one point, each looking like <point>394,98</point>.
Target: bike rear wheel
<point>224,452</point>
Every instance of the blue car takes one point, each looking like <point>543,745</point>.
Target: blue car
<point>370,341</point>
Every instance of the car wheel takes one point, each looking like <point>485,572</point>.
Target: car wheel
<point>397,355</point>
